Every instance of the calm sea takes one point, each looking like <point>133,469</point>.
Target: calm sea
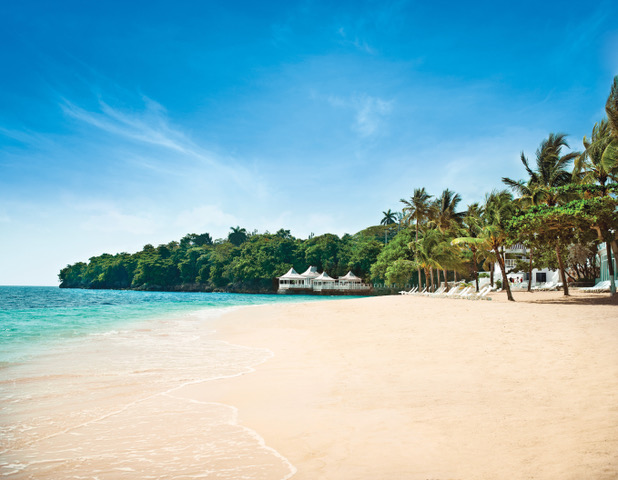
<point>98,384</point>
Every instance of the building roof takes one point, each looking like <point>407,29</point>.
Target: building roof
<point>292,275</point>
<point>324,277</point>
<point>311,272</point>
<point>350,277</point>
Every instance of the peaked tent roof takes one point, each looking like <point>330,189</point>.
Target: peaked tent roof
<point>350,277</point>
<point>324,277</point>
<point>292,275</point>
<point>311,272</point>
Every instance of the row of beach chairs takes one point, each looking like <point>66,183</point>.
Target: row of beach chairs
<point>455,292</point>
<point>598,288</point>
<point>547,286</point>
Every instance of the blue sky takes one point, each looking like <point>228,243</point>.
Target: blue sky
<point>126,123</point>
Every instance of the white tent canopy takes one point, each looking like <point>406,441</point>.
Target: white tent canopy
<point>311,272</point>
<point>350,277</point>
<point>324,277</point>
<point>292,275</point>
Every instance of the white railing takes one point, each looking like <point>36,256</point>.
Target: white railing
<point>326,286</point>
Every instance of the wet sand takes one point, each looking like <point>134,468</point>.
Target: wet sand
<point>411,387</point>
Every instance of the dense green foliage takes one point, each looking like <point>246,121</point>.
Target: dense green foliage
<point>243,262</point>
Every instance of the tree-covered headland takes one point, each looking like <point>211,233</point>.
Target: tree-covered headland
<point>562,209</point>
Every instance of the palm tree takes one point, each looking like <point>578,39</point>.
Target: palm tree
<point>472,225</point>
<point>551,171</point>
<point>237,236</point>
<point>498,210</point>
<point>389,218</point>
<point>418,209</point>
<point>598,163</point>
<point>434,250</point>
<point>444,216</point>
<point>611,108</point>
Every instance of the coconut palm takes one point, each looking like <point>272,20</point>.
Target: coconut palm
<point>471,229</point>
<point>611,108</point>
<point>417,208</point>
<point>492,236</point>
<point>552,170</point>
<point>598,163</point>
<point>434,250</point>
<point>445,217</point>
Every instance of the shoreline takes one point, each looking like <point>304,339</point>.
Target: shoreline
<point>432,388</point>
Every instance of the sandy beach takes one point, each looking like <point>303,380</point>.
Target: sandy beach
<point>425,388</point>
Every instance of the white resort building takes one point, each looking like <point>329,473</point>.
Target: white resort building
<point>519,252</point>
<point>313,282</point>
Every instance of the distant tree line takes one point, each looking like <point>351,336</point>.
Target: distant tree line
<point>242,262</point>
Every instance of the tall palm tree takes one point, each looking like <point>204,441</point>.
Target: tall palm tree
<point>471,229</point>
<point>492,236</point>
<point>611,108</point>
<point>389,218</point>
<point>598,163</point>
<point>552,170</point>
<point>445,217</point>
<point>417,208</point>
<point>434,250</point>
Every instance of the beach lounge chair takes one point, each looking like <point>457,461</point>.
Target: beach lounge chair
<point>464,294</point>
<point>453,291</point>
<point>438,292</point>
<point>599,287</point>
<point>482,295</point>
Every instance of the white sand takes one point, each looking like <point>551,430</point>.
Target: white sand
<point>423,388</point>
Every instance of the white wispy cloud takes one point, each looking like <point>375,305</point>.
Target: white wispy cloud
<point>355,41</point>
<point>370,112</point>
<point>149,126</point>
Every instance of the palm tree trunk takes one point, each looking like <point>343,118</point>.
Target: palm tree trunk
<point>432,284</point>
<point>416,258</point>
<point>455,276</point>
<point>505,280</point>
<point>445,280</point>
<point>475,270</point>
<point>610,268</point>
<point>530,270</point>
<point>565,285</point>
<point>492,267</point>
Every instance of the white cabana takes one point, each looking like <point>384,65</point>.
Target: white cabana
<point>324,282</point>
<point>292,279</point>
<point>311,272</point>
<point>350,277</point>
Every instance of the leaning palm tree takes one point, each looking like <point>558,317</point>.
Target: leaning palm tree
<point>552,170</point>
<point>417,208</point>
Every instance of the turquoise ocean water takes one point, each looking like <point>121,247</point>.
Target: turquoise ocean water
<point>32,318</point>
<point>115,385</point>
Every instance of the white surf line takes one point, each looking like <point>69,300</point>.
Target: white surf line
<point>178,387</point>
<point>252,433</point>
